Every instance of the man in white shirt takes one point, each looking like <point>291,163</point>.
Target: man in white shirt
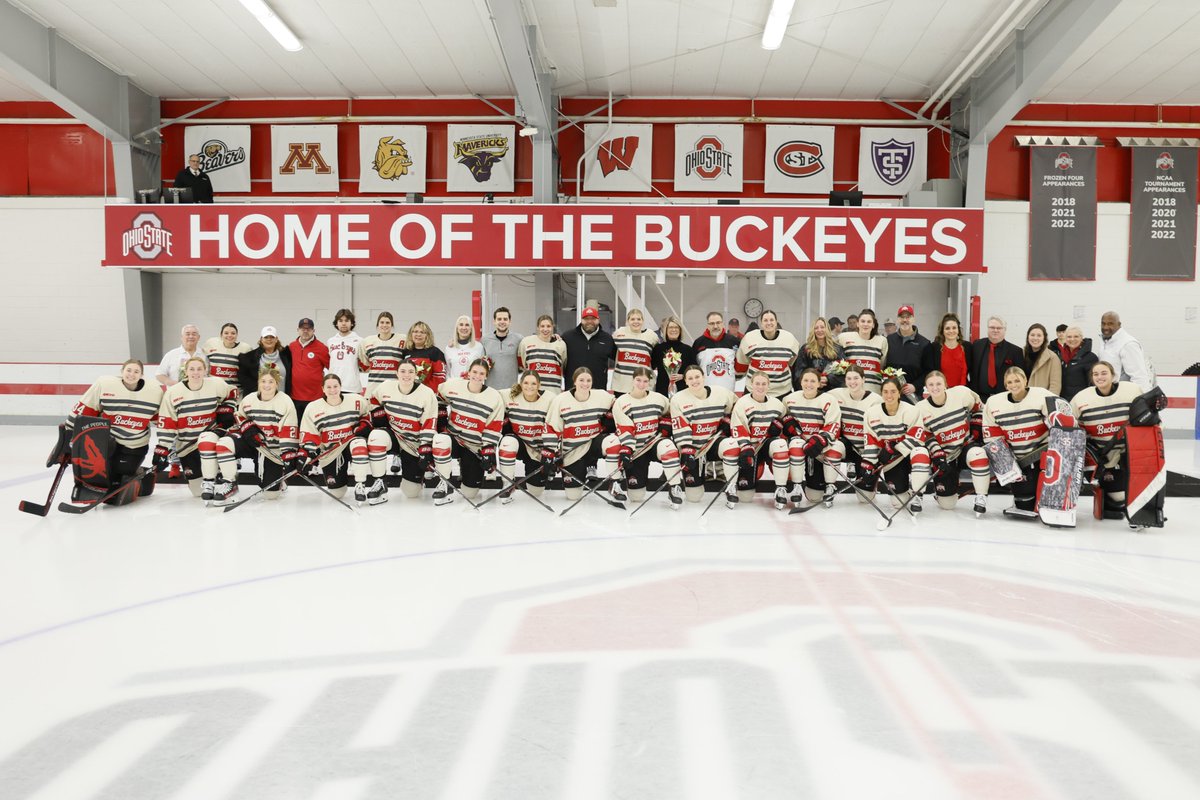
<point>1124,352</point>
<point>343,351</point>
<point>170,369</point>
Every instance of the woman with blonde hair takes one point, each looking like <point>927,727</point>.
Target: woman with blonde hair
<point>428,358</point>
<point>268,433</point>
<point>634,345</point>
<point>819,351</point>
<point>671,357</point>
<point>524,430</point>
<point>463,348</point>
<point>193,417</point>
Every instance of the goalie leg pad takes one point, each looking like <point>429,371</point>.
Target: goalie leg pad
<point>1003,463</point>
<point>1061,476</point>
<point>91,453</point>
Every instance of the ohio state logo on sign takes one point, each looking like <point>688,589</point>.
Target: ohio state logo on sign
<point>709,159</point>
<point>146,237</point>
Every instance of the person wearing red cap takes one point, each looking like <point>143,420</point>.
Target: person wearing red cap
<point>589,345</point>
<point>906,351</point>
<point>310,362</point>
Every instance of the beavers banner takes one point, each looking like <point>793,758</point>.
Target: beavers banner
<point>876,239</point>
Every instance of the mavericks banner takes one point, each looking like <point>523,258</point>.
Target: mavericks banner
<point>481,159</point>
<point>304,158</point>
<point>621,162</point>
<point>938,240</point>
<point>1062,213</point>
<point>708,158</point>
<point>1162,214</point>
<point>224,154</point>
<point>891,161</point>
<point>799,159</point>
<point>391,158</point>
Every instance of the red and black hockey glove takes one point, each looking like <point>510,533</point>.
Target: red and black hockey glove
<point>487,458</point>
<point>379,417</point>
<point>775,428</point>
<point>791,428</point>
<point>293,458</point>
<point>425,451</point>
<point>226,416</point>
<point>363,428</point>
<point>607,423</point>
<point>550,460</point>
<point>814,446</point>
<point>443,419</point>
<point>887,452</point>
<point>745,461</point>
<point>624,456</point>
<point>665,428</point>
<point>938,463</point>
<point>252,432</point>
<point>161,458</point>
<point>689,462</point>
<point>867,470</point>
<point>724,427</point>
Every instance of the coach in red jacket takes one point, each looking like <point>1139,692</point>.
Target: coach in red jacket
<point>310,362</point>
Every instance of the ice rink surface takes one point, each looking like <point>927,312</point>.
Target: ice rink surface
<point>296,650</point>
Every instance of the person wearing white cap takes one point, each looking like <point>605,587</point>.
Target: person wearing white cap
<point>270,354</point>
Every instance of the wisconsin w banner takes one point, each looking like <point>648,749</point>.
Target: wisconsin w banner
<point>1062,213</point>
<point>799,159</point>
<point>1162,216</point>
<point>481,158</point>
<point>304,158</point>
<point>708,158</point>
<point>621,162</point>
<point>891,161</point>
<point>391,158</point>
<point>224,154</point>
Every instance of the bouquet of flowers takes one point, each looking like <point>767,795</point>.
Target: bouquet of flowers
<point>837,367</point>
<point>671,360</point>
<point>488,362</point>
<point>895,372</point>
<point>423,370</point>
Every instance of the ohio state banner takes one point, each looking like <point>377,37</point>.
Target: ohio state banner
<point>891,161</point>
<point>621,161</point>
<point>1162,218</point>
<point>481,158</point>
<point>799,159</point>
<point>391,158</point>
<point>708,158</point>
<point>224,154</point>
<point>1062,213</point>
<point>304,158</point>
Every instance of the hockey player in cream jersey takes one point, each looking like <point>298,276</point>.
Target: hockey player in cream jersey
<point>699,414</point>
<point>474,425</point>
<point>380,354</point>
<point>866,348</point>
<point>546,354</point>
<point>575,425</point>
<point>855,400</point>
<point>772,350</point>
<point>1103,411</point>
<point>267,433</point>
<point>812,426</point>
<point>329,425</point>
<point>524,433</point>
<point>193,418</point>
<point>894,450</point>
<point>403,412</point>
<point>222,353</point>
<point>640,417</point>
<point>756,425</point>
<point>1022,417</point>
<point>634,344</point>
<point>952,421</point>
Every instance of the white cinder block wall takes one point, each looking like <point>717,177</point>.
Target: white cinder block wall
<point>60,305</point>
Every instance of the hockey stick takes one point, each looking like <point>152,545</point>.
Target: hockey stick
<point>857,490</point>
<point>67,508</point>
<point>42,509</point>
<point>304,476</point>
<point>611,477</point>
<point>274,483</point>
<point>666,480</point>
<point>754,447</point>
<point>517,486</point>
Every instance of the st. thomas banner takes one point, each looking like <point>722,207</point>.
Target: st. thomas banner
<point>1162,214</point>
<point>1062,213</point>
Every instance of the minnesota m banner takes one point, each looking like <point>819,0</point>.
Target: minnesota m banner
<point>304,158</point>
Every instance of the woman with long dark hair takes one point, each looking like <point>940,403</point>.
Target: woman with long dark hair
<point>1042,364</point>
<point>867,348</point>
<point>947,353</point>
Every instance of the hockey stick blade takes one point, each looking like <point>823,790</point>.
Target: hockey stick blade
<point>42,509</point>
<point>67,508</point>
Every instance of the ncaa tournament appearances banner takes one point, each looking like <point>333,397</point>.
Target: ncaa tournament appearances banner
<point>799,159</point>
<point>1062,213</point>
<point>1162,217</point>
<point>224,154</point>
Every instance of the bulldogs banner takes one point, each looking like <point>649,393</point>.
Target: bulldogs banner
<point>621,162</point>
<point>708,158</point>
<point>304,158</point>
<point>1062,213</point>
<point>799,159</point>
<point>224,154</point>
<point>480,158</point>
<point>1162,219</point>
<point>891,161</point>
<point>391,158</point>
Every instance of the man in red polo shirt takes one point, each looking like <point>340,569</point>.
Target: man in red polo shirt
<point>310,362</point>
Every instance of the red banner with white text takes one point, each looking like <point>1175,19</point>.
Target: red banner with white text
<point>940,240</point>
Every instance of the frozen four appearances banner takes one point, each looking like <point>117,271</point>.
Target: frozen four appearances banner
<point>480,159</point>
<point>224,154</point>
<point>708,158</point>
<point>304,158</point>
<point>891,161</point>
<point>1162,220</point>
<point>391,158</point>
<point>1062,213</point>
<point>552,236</point>
<point>799,159</point>
<point>620,161</point>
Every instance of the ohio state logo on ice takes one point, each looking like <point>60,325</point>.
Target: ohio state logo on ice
<point>146,237</point>
<point>709,159</point>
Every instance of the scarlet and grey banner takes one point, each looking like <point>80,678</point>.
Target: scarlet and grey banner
<point>1062,213</point>
<point>1162,220</point>
<point>554,236</point>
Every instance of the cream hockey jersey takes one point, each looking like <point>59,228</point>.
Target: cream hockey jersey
<point>572,423</point>
<point>185,413</point>
<point>547,359</point>
<point>329,428</point>
<point>750,421</point>
<point>527,420</point>
<point>475,419</point>
<point>816,416</point>
<point>870,354</point>
<point>1103,416</point>
<point>854,414</point>
<point>633,351</point>
<point>948,426</point>
<point>276,418</point>
<point>412,417</point>
<point>775,357</point>
<point>903,428</point>
<point>694,420</point>
<point>379,358</point>
<point>130,412</point>
<point>1022,424</point>
<point>222,360</point>
<point>638,420</point>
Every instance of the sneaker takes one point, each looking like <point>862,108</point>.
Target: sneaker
<point>675,495</point>
<point>223,491</point>
<point>781,498</point>
<point>731,499</point>
<point>830,493</point>
<point>915,505</point>
<point>360,492</point>
<point>206,490</point>
<point>980,505</point>
<point>377,494</point>
<point>443,494</point>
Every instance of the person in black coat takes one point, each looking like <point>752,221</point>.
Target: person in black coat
<point>249,364</point>
<point>906,351</point>
<point>819,351</point>
<point>588,345</point>
<point>196,179</point>
<point>1077,360</point>
<point>988,379</point>
<point>684,353</point>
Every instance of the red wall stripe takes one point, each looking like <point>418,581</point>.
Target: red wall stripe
<point>71,389</point>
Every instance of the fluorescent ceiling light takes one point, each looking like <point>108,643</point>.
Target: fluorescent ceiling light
<point>777,22</point>
<point>274,25</point>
